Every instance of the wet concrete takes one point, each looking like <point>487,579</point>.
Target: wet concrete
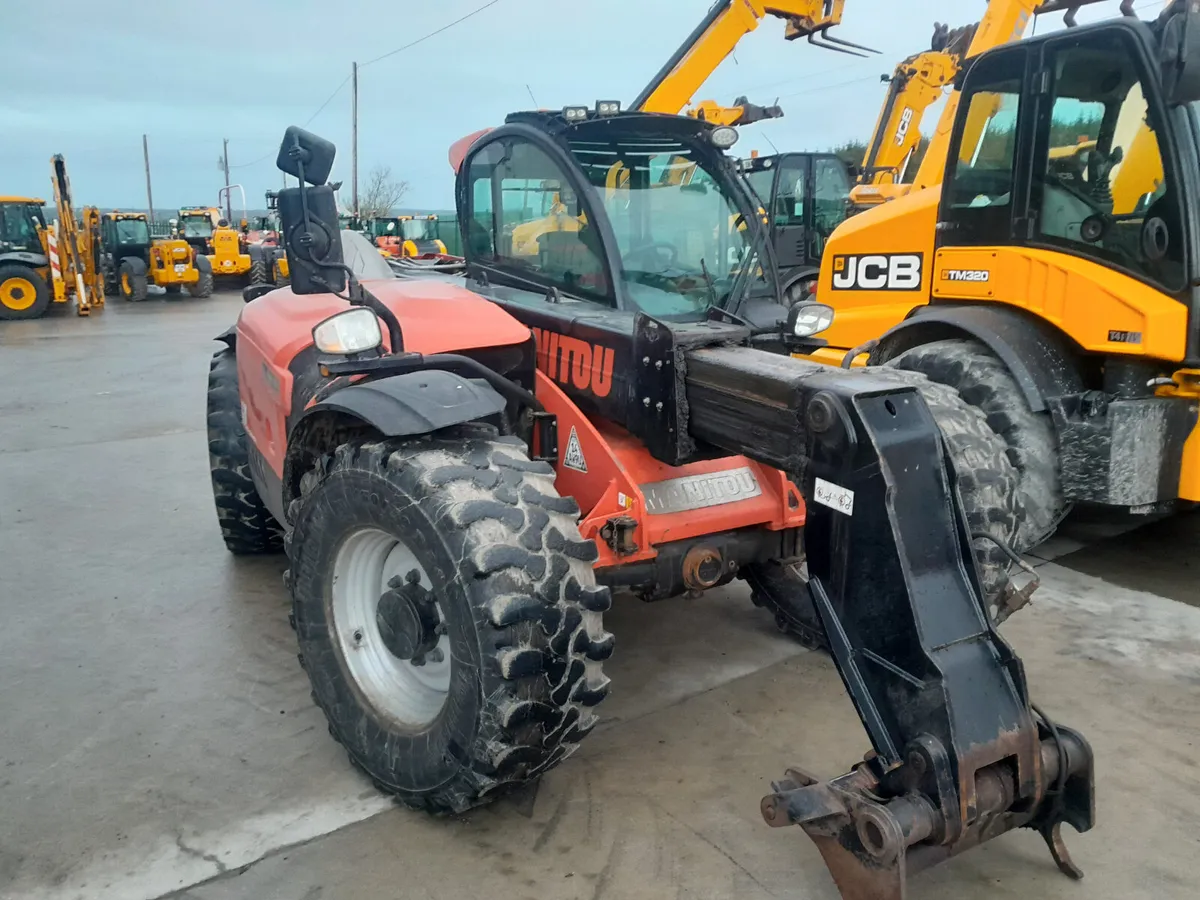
<point>157,733</point>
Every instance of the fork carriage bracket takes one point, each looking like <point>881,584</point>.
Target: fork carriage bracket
<point>959,755</point>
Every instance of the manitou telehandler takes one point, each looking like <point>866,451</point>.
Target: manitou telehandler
<point>1051,276</point>
<point>460,471</point>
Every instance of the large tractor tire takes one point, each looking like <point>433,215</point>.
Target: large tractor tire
<point>983,381</point>
<point>203,287</point>
<point>447,612</point>
<point>246,525</point>
<point>131,279</point>
<point>23,293</point>
<point>259,272</point>
<point>987,483</point>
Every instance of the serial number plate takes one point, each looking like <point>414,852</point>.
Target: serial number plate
<point>180,268</point>
<point>700,491</point>
<point>828,494</point>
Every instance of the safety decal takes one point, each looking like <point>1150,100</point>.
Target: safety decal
<point>573,458</point>
<point>829,494</point>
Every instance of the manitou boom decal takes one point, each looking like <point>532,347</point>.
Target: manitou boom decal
<point>575,363</point>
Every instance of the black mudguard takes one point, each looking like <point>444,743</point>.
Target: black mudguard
<point>413,403</point>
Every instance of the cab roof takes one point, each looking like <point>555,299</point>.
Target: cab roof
<point>5,199</point>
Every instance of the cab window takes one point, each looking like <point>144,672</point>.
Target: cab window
<point>793,186</point>
<point>831,195</point>
<point>527,219</point>
<point>1100,185</point>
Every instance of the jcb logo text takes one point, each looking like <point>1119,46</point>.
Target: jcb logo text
<point>881,272</point>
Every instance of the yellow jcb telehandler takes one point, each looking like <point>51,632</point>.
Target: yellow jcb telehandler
<point>132,260</point>
<point>1051,277</point>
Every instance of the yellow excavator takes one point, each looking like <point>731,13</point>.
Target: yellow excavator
<point>47,264</point>
<point>1045,264</point>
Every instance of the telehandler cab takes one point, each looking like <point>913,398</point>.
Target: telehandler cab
<point>460,474</point>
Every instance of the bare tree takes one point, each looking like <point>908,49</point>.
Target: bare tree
<point>381,193</point>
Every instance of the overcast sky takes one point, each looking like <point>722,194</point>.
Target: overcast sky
<point>86,79</point>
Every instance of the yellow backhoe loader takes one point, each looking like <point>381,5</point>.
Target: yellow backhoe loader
<point>41,264</point>
<point>1051,280</point>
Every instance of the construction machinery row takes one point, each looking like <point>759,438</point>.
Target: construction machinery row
<point>613,395</point>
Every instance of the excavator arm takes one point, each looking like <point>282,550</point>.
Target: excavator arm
<point>717,35</point>
<point>78,246</point>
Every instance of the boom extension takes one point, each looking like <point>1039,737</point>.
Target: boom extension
<point>718,34</point>
<point>959,754</point>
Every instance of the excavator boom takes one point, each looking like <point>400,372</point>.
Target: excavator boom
<point>77,248</point>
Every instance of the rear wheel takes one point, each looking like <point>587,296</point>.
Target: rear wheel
<point>202,287</point>
<point>781,588</point>
<point>131,278</point>
<point>984,382</point>
<point>447,613</point>
<point>246,525</point>
<point>23,293</point>
<point>258,269</point>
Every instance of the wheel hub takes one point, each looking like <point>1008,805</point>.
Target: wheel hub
<point>408,620</point>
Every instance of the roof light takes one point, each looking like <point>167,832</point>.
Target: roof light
<point>723,137</point>
<point>608,107</point>
<point>575,113</point>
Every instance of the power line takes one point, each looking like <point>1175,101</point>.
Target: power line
<point>328,100</point>
<point>426,37</point>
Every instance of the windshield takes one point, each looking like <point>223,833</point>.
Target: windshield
<point>418,229</point>
<point>197,226</point>
<point>18,226</point>
<point>683,242</point>
<point>132,231</point>
<point>762,182</point>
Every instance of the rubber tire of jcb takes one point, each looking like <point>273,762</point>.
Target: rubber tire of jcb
<point>246,525</point>
<point>985,383</point>
<point>988,483</point>
<point>131,279</point>
<point>203,287</point>
<point>41,293</point>
<point>258,267</point>
<point>516,587</point>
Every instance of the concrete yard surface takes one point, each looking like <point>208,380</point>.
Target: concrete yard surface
<point>158,738</point>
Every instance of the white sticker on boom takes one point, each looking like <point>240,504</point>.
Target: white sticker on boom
<point>573,458</point>
<point>829,494</point>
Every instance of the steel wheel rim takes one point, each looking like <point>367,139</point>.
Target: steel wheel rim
<point>18,293</point>
<point>411,695</point>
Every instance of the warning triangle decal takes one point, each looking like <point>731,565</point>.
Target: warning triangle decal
<point>573,458</point>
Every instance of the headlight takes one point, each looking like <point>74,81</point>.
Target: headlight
<point>608,107</point>
<point>575,113</point>
<point>352,331</point>
<point>724,137</point>
<point>807,319</point>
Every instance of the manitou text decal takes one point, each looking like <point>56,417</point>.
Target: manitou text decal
<point>878,272</point>
<point>975,275</point>
<point>575,363</point>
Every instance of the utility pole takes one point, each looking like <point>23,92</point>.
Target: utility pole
<point>149,193</point>
<point>354,138</point>
<point>228,194</point>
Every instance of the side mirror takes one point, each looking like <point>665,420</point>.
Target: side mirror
<point>804,320</point>
<point>313,241</point>
<point>306,157</point>
<point>1179,53</point>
